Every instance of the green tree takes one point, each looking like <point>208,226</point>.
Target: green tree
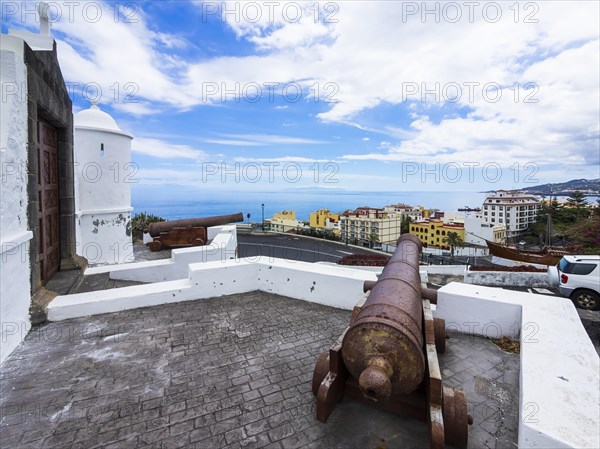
<point>453,240</point>
<point>552,208</point>
<point>576,201</point>
<point>555,206</point>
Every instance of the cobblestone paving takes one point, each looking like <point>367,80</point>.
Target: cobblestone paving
<point>490,379</point>
<point>226,372</point>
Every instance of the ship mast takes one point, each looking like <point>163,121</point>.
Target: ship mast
<point>549,221</point>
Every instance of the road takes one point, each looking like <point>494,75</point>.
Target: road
<point>292,247</point>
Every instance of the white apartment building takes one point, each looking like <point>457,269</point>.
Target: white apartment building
<point>358,226</point>
<point>477,231</point>
<point>405,210</point>
<point>513,209</point>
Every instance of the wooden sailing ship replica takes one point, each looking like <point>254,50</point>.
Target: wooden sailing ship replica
<point>545,256</point>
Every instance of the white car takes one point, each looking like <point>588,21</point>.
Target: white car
<point>578,278</point>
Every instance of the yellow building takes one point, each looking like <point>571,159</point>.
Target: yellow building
<point>284,221</point>
<point>428,213</point>
<point>285,215</point>
<point>323,219</point>
<point>432,232</point>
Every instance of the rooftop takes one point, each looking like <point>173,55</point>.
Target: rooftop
<point>95,118</point>
<point>402,206</point>
<point>231,372</point>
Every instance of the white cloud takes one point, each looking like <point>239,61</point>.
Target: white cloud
<point>125,57</point>
<point>561,126</point>
<point>138,108</point>
<point>262,22</point>
<point>262,140</point>
<point>559,53</point>
<point>284,159</point>
<point>371,55</point>
<point>165,150</point>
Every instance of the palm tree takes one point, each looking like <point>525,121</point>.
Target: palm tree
<point>373,238</point>
<point>405,224</point>
<point>453,240</point>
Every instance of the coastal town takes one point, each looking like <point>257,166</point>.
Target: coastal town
<point>504,217</point>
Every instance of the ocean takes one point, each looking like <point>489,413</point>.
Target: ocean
<point>173,205</point>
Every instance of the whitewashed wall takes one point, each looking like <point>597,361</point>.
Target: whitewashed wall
<point>103,195</point>
<point>15,282</point>
<point>507,278</point>
<point>222,247</point>
<point>333,286</point>
<point>105,238</point>
<point>559,371</point>
<point>15,295</point>
<point>467,251</point>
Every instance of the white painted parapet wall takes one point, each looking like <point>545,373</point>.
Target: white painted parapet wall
<point>376,270</point>
<point>507,278</point>
<point>332,286</point>
<point>222,247</point>
<point>559,404</point>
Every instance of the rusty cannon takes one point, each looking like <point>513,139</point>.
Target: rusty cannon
<point>387,356</point>
<point>188,232</point>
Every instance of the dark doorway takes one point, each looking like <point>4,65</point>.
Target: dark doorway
<point>48,203</point>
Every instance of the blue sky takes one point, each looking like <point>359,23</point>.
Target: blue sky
<point>358,96</point>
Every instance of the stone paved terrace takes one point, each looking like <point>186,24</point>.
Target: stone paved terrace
<point>225,372</point>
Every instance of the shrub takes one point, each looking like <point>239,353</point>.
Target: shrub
<point>140,221</point>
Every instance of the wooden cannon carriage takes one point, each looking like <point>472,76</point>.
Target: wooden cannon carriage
<point>387,356</point>
<point>188,232</point>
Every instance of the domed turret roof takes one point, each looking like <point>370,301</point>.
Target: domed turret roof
<point>95,118</point>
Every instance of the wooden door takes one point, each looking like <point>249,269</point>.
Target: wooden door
<point>49,248</point>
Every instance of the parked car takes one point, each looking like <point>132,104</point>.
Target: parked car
<point>578,278</point>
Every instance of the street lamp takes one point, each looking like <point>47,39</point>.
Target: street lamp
<point>263,216</point>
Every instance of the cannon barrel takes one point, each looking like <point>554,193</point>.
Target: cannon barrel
<point>154,229</point>
<point>426,293</point>
<point>383,347</point>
